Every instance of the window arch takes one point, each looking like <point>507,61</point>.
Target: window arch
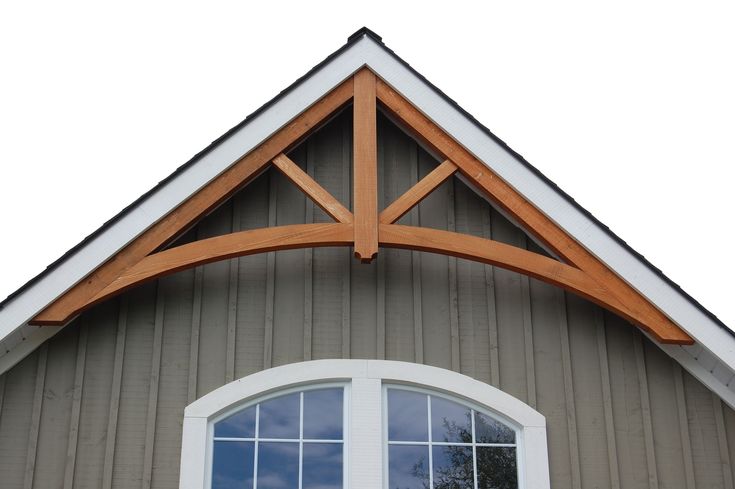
<point>367,387</point>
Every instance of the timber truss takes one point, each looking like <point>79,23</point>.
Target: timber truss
<point>366,229</point>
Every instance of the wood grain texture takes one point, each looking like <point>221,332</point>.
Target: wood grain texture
<point>636,307</point>
<point>722,441</point>
<point>417,193</point>
<point>196,323</point>
<point>612,449</point>
<point>686,443</point>
<point>71,450</point>
<point>233,245</point>
<point>232,301</point>
<point>312,189</point>
<point>645,411</point>
<point>153,390</point>
<point>452,279</point>
<point>209,197</point>
<point>365,161</point>
<point>35,418</point>
<point>498,254</point>
<point>569,399</point>
<point>117,371</point>
<point>2,392</point>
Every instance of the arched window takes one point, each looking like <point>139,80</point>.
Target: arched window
<point>362,424</point>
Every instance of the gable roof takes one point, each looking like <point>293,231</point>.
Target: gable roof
<point>711,359</point>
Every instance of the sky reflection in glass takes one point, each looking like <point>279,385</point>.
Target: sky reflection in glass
<point>456,452</point>
<point>407,416</point>
<point>453,468</point>
<point>488,430</point>
<point>323,414</point>
<point>239,425</point>
<point>278,465</point>
<point>450,421</point>
<point>279,417</point>
<point>322,467</point>
<point>408,467</point>
<point>233,465</point>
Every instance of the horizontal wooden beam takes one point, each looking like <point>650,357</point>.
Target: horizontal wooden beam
<point>180,219</point>
<point>312,189</point>
<point>417,193</point>
<point>494,188</point>
<point>228,246</point>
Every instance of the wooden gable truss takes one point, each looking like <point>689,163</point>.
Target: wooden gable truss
<point>367,229</point>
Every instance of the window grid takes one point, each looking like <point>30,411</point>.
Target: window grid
<point>430,443</point>
<point>300,440</point>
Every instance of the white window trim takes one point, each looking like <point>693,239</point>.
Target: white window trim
<point>364,435</point>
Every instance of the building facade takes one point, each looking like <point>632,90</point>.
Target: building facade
<point>348,220</point>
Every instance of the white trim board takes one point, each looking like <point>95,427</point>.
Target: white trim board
<point>368,51</point>
<point>365,380</point>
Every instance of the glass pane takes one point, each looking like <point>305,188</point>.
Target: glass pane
<point>278,465</point>
<point>488,430</point>
<point>408,467</point>
<point>407,416</point>
<point>232,466</point>
<point>496,468</point>
<point>322,466</point>
<point>450,421</point>
<point>239,425</point>
<point>323,414</point>
<point>279,417</point>
<point>453,467</point>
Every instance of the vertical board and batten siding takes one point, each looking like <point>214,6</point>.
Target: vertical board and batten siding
<point>101,404</point>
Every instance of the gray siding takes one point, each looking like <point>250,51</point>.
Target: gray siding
<point>100,405</point>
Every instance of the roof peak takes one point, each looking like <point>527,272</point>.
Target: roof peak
<point>364,31</point>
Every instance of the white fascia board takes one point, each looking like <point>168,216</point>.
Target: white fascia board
<point>31,301</point>
<point>366,51</point>
<point>546,198</point>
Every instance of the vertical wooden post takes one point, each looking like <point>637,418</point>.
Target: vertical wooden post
<point>366,167</point>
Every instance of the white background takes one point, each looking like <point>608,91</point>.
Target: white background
<point>628,106</point>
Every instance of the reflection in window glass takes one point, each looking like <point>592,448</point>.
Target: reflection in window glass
<point>322,466</point>
<point>233,464</point>
<point>496,468</point>
<point>323,414</point>
<point>294,441</point>
<point>450,422</point>
<point>278,465</point>
<point>239,425</point>
<point>279,417</point>
<point>456,448</point>
<point>407,415</point>
<point>408,466</point>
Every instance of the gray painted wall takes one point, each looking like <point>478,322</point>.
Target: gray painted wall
<point>100,404</point>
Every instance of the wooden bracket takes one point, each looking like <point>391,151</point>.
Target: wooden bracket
<point>365,167</point>
<point>366,230</point>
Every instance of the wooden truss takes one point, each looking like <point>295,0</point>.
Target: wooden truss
<point>366,229</point>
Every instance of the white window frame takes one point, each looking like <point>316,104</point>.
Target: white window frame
<point>364,433</point>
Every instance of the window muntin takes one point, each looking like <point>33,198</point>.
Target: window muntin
<point>294,439</point>
<point>434,442</point>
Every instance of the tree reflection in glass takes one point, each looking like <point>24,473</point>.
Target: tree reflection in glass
<point>467,449</point>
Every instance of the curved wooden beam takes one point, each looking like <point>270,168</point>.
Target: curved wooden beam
<point>228,246</point>
<point>207,198</point>
<point>516,259</point>
<point>529,216</point>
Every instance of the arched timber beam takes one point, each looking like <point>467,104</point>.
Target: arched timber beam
<point>529,216</point>
<point>76,299</point>
<point>512,258</point>
<point>228,246</point>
